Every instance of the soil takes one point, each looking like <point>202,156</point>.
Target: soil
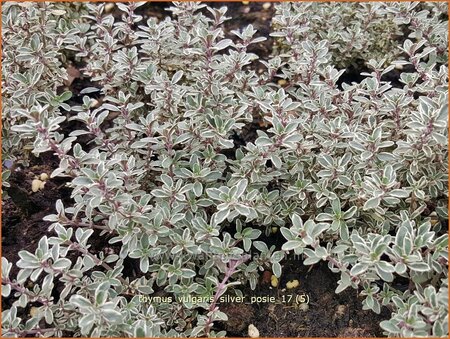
<point>22,213</point>
<point>329,315</point>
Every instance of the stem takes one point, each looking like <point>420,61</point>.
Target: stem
<point>221,288</point>
<point>21,289</point>
<point>96,260</point>
<point>75,223</point>
<point>34,331</point>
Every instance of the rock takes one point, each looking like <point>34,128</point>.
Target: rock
<point>274,281</point>
<point>341,316</point>
<point>304,307</point>
<point>109,7</point>
<point>253,331</point>
<point>266,277</point>
<point>292,284</point>
<point>36,185</point>
<point>340,311</point>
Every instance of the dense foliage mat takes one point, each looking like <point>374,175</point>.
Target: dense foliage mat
<point>153,144</point>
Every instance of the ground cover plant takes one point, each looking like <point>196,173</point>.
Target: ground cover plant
<point>176,175</point>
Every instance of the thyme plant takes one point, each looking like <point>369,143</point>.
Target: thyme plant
<point>351,173</point>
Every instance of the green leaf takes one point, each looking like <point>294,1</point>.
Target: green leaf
<point>43,244</point>
<point>277,256</point>
<point>82,181</point>
<point>276,269</point>
<point>20,77</point>
<point>197,188</point>
<point>101,297</point>
<point>321,252</point>
<point>112,315</point>
<point>326,161</point>
<point>6,290</point>
<point>35,42</point>
<point>287,233</point>
<point>343,231</point>
<point>23,128</point>
<point>291,245</point>
<point>220,216</point>
<point>385,266</point>
<point>243,210</point>
<point>386,276</point>
<point>143,264</point>
<point>139,332</point>
<point>339,249</point>
<point>297,221</point>
<point>276,161</point>
<point>350,212</point>
<point>311,260</point>
<point>344,180</point>
<point>65,96</point>
<point>418,266</point>
<point>359,268</point>
<point>188,273</point>
<point>80,301</point>
<point>357,146</point>
<point>400,268</point>
<point>28,259</point>
<point>389,326</point>
<point>177,76</point>
<point>324,217</point>
<point>222,44</point>
<point>247,243</point>
<point>263,142</point>
<point>314,230</point>
<point>336,206</point>
<point>62,263</point>
<point>241,187</point>
<point>371,203</point>
<point>260,246</point>
<point>343,283</point>
<point>86,323</point>
<point>399,193</point>
<point>213,193</point>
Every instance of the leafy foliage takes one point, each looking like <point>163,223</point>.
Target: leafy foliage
<point>351,173</point>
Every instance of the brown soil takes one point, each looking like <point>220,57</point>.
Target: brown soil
<point>328,314</point>
<point>22,213</point>
<point>22,227</point>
